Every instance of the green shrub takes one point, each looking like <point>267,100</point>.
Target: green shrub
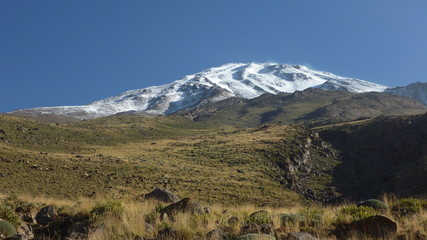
<point>289,218</point>
<point>312,216</point>
<point>109,208</point>
<point>8,215</point>
<point>355,213</point>
<point>374,203</point>
<point>7,229</point>
<point>260,217</point>
<point>407,206</point>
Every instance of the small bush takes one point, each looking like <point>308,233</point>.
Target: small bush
<point>7,229</point>
<point>260,217</point>
<point>355,213</point>
<point>312,216</point>
<point>407,206</point>
<point>291,219</point>
<point>110,208</point>
<point>8,215</point>
<point>374,203</point>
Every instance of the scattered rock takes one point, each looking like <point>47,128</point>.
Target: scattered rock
<point>300,236</point>
<point>46,215</point>
<point>255,228</point>
<point>163,195</point>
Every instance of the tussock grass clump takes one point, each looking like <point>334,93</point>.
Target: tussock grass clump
<point>110,208</point>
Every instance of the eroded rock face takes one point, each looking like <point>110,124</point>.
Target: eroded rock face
<point>303,159</point>
<point>163,195</point>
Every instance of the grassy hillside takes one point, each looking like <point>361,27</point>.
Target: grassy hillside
<point>129,155</point>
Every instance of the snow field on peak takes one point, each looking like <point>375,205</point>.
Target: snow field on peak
<point>212,85</point>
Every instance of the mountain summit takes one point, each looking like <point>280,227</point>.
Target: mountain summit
<point>212,85</point>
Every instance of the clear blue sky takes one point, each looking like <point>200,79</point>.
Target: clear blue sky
<point>73,52</point>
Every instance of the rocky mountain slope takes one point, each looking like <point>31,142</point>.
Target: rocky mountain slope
<point>416,91</point>
<point>311,107</point>
<point>212,85</point>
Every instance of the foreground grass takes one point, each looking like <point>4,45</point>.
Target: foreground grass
<point>128,219</point>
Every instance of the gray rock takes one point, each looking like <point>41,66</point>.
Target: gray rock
<point>186,205</point>
<point>163,195</point>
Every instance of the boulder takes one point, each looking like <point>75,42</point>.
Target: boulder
<point>186,205</point>
<point>46,215</point>
<point>256,237</point>
<point>161,194</point>
<point>376,226</point>
<point>300,236</point>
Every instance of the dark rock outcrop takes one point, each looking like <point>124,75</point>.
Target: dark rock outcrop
<point>47,215</point>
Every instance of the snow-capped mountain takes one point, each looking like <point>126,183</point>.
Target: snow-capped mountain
<point>215,84</point>
<point>417,91</point>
